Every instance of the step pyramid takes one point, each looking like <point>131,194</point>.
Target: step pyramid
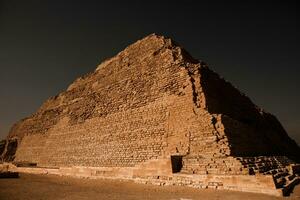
<point>153,101</point>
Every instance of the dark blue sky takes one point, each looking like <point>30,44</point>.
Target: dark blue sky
<point>45,45</point>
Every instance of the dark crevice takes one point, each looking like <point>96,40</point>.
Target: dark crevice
<point>195,94</point>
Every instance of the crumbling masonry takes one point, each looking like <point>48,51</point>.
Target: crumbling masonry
<point>156,115</point>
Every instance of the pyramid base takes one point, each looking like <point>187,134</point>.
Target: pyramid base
<point>263,184</point>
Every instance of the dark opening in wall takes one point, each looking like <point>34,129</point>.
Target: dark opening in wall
<point>251,171</point>
<point>176,163</point>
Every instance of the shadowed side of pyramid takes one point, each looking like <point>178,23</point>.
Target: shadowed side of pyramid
<point>153,110</point>
<point>250,130</point>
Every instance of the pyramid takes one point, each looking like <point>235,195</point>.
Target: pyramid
<point>155,114</point>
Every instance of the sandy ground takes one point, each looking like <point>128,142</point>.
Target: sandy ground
<point>53,187</point>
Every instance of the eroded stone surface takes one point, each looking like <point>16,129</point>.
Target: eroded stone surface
<point>148,103</point>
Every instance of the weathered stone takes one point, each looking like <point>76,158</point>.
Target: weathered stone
<point>151,111</point>
<point>10,148</point>
<point>5,172</point>
<point>2,146</point>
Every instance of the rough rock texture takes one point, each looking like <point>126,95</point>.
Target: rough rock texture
<point>2,146</point>
<point>153,101</point>
<point>8,149</point>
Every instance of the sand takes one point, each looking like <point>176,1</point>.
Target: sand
<point>44,187</point>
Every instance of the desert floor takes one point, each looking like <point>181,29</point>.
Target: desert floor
<point>53,187</point>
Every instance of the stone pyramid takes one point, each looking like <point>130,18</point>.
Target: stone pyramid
<point>155,109</point>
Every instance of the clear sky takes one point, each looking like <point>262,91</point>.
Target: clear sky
<point>45,45</point>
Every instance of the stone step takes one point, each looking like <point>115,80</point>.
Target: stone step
<point>280,182</point>
<point>290,177</point>
<point>288,187</point>
<point>280,175</point>
<point>275,171</point>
